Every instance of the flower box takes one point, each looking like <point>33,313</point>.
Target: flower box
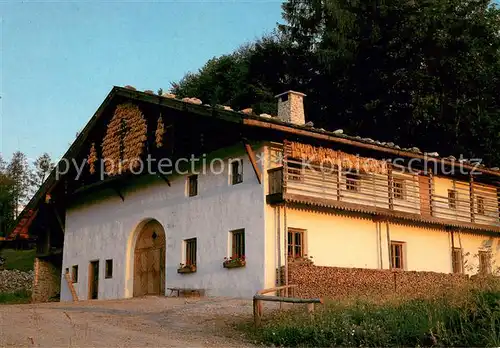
<point>304,260</point>
<point>186,269</point>
<point>234,262</point>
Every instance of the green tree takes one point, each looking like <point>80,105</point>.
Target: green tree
<point>422,73</point>
<point>43,165</point>
<point>246,78</point>
<point>19,172</point>
<point>6,199</point>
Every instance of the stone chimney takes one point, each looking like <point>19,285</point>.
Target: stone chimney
<point>291,107</point>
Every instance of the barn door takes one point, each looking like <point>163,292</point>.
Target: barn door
<point>149,261</point>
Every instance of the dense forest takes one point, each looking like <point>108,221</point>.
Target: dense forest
<point>19,180</point>
<point>420,73</point>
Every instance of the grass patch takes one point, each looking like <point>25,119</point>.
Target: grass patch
<point>21,260</point>
<point>15,297</point>
<point>437,322</point>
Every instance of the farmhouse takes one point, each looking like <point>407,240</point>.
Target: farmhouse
<point>159,193</point>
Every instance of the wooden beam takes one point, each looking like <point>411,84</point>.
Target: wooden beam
<point>279,288</point>
<point>258,308</point>
<point>164,177</point>
<point>287,299</point>
<point>58,217</point>
<point>117,190</point>
<point>253,160</point>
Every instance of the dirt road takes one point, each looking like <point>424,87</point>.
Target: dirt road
<point>138,322</point>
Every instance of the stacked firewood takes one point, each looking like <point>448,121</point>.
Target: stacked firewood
<point>372,284</point>
<point>125,138</point>
<point>325,156</point>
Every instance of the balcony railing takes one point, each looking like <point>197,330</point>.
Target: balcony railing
<point>401,193</point>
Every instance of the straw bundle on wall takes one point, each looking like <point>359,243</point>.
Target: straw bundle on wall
<point>127,130</point>
<point>92,158</point>
<point>160,131</point>
<point>325,156</point>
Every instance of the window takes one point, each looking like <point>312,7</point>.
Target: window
<point>238,243</point>
<point>109,269</point>
<point>456,257</point>
<point>74,274</point>
<point>295,171</point>
<point>192,185</point>
<point>397,255</point>
<point>480,205</point>
<point>452,199</point>
<point>296,243</point>
<point>190,251</point>
<point>236,172</point>
<point>352,182</point>
<point>398,188</point>
<point>484,262</point>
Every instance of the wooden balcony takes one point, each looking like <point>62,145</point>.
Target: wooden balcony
<point>421,198</point>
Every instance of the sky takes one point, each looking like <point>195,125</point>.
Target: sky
<point>59,60</point>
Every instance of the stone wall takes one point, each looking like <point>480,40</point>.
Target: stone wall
<point>47,280</point>
<point>14,280</point>
<point>343,283</point>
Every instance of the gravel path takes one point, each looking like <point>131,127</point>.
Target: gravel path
<point>138,322</point>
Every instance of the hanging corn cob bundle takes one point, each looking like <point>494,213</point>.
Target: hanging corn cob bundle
<point>160,131</point>
<point>124,141</point>
<point>322,156</point>
<point>92,158</point>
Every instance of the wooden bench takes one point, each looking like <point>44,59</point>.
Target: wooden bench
<point>186,291</point>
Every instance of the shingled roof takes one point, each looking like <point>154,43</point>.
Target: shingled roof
<point>247,118</point>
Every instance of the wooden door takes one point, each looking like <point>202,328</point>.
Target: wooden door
<point>149,261</point>
<point>93,280</point>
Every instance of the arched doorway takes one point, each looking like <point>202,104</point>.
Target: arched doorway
<point>149,260</point>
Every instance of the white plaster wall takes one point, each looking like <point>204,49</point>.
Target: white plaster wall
<point>425,249</point>
<point>335,240</point>
<point>332,240</point>
<point>103,227</point>
<point>471,243</point>
<point>342,241</point>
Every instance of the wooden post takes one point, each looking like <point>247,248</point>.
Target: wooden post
<point>339,179</point>
<point>280,294</point>
<point>389,249</point>
<point>310,308</point>
<point>286,248</point>
<point>257,312</point>
<point>280,281</point>
<point>391,187</point>
<point>431,193</point>
<point>471,197</point>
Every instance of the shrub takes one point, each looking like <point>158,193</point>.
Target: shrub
<point>21,296</point>
<point>430,322</point>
